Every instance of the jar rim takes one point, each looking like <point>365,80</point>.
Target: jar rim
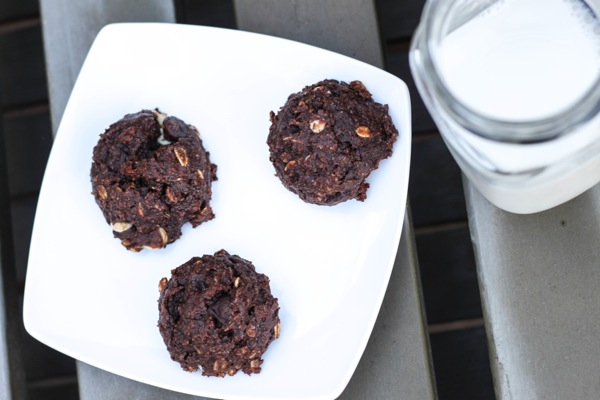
<point>533,130</point>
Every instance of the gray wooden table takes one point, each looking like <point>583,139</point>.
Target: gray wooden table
<point>540,285</point>
<point>12,381</point>
<point>5,367</point>
<point>397,358</point>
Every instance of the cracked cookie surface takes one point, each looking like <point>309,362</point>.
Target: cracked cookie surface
<point>151,175</point>
<point>217,313</point>
<point>326,140</point>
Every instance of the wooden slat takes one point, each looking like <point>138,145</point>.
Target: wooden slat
<point>351,29</point>
<point>11,10</point>
<point>449,275</point>
<point>218,13</point>
<point>396,362</point>
<point>5,384</point>
<point>97,384</point>
<point>66,44</point>
<point>23,212</point>
<point>54,390</point>
<point>435,187</point>
<point>398,19</point>
<point>29,139</point>
<point>22,72</point>
<point>539,276</point>
<point>5,282</point>
<point>12,380</point>
<point>461,362</point>
<point>42,363</point>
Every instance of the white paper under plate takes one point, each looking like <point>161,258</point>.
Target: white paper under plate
<point>88,297</point>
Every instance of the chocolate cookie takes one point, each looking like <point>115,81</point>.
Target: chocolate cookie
<point>217,313</point>
<point>151,175</point>
<point>325,141</point>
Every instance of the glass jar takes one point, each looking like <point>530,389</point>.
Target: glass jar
<point>514,88</point>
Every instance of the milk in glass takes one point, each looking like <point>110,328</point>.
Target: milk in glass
<point>514,88</point>
<point>523,59</point>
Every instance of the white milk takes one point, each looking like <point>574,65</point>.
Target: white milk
<point>523,59</point>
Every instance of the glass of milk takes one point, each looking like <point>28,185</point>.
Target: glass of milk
<point>514,87</point>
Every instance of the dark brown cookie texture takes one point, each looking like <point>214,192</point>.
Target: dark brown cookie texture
<point>218,314</point>
<point>151,175</point>
<point>326,140</point>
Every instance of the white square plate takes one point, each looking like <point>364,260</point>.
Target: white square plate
<point>88,297</point>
